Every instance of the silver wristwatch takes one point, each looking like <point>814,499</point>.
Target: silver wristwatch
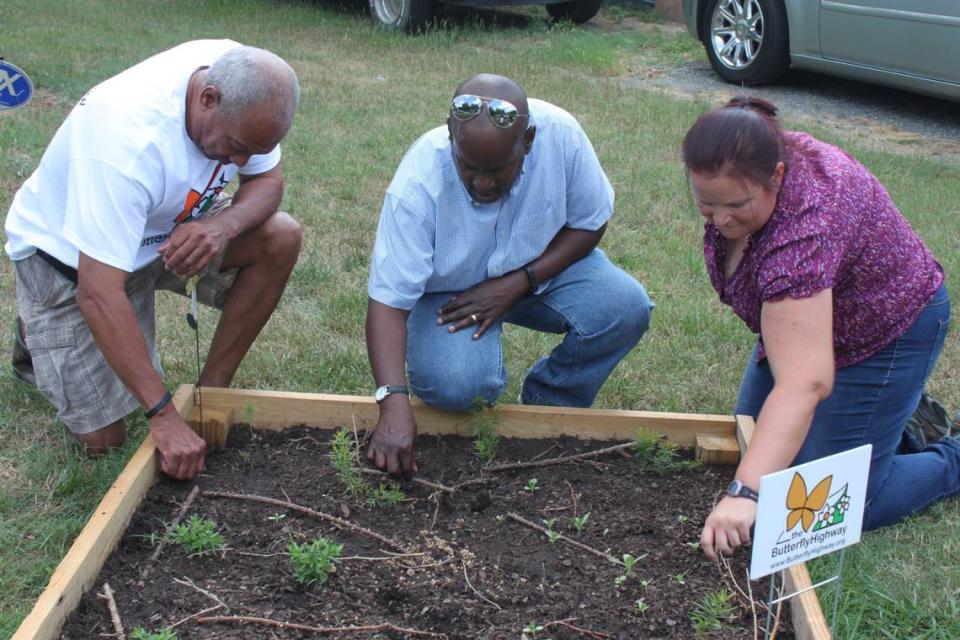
<point>383,391</point>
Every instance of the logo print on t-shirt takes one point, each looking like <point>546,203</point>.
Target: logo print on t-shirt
<point>197,203</point>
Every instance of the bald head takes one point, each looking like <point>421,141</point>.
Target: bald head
<point>249,78</point>
<point>489,158</point>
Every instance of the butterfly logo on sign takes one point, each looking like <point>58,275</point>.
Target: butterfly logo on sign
<point>818,509</point>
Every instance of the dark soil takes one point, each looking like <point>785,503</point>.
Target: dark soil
<point>529,579</point>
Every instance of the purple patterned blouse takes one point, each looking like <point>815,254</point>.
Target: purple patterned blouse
<point>834,225</point>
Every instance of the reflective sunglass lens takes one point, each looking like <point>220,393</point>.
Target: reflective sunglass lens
<point>466,107</point>
<point>502,113</point>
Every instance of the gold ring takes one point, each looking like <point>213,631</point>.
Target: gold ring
<point>473,317</point>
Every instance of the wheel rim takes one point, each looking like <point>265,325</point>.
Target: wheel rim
<point>736,32</point>
<point>388,11</point>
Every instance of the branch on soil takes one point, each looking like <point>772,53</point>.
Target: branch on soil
<point>597,635</point>
<point>163,541</point>
<point>337,522</point>
<point>564,538</point>
<point>187,582</point>
<point>303,627</point>
<point>114,614</point>
<point>469,584</point>
<point>420,481</point>
<point>561,460</point>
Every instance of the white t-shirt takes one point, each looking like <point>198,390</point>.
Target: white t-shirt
<point>121,170</point>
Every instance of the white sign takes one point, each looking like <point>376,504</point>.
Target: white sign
<point>810,510</point>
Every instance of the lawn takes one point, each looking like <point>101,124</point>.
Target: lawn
<point>366,96</point>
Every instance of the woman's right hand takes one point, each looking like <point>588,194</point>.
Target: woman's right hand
<point>728,526</point>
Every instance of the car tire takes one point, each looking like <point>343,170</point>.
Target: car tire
<point>401,15</point>
<point>746,40</point>
<point>577,11</point>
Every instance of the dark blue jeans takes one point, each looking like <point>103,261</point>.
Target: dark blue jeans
<point>870,404</point>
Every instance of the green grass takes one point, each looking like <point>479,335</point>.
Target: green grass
<point>367,95</point>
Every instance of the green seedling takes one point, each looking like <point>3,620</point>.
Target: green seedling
<point>139,633</point>
<point>712,612</point>
<point>198,535</point>
<point>277,517</point>
<point>629,561</point>
<point>385,494</point>
<point>694,545</point>
<point>532,629</point>
<point>619,580</point>
<point>646,582</point>
<point>659,456</point>
<point>579,522</point>
<point>343,458</point>
<point>500,519</point>
<point>682,519</point>
<point>485,436</point>
<point>553,536</point>
<point>640,607</point>
<point>532,485</point>
<point>313,562</point>
<point>679,578</point>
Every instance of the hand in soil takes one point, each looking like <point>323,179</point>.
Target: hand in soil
<point>392,445</point>
<point>182,452</point>
<point>728,526</point>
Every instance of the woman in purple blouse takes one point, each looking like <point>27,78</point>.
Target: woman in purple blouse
<point>805,245</point>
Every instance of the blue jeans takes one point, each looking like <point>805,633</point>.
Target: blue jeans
<point>602,310</point>
<point>870,404</point>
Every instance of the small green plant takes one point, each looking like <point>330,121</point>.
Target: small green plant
<point>198,535</point>
<point>579,522</point>
<point>646,582</point>
<point>139,633</point>
<point>640,607</point>
<point>532,485</point>
<point>532,629</point>
<point>619,580</point>
<point>313,562</point>
<point>682,519</point>
<point>693,545</point>
<point>712,612</point>
<point>629,561</point>
<point>343,458</point>
<point>485,436</point>
<point>277,517</point>
<point>679,578</point>
<point>659,456</point>
<point>385,494</point>
<point>500,519</point>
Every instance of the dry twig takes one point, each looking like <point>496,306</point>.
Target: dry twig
<point>573,497</point>
<point>561,460</point>
<point>196,615</point>
<point>386,626</point>
<point>337,522</point>
<point>597,635</point>
<point>163,541</point>
<point>187,582</point>
<point>420,481</point>
<point>114,614</point>
<point>469,584</point>
<point>563,538</point>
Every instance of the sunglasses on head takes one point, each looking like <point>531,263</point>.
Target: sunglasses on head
<point>502,114</point>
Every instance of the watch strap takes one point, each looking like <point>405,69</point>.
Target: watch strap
<point>532,281</point>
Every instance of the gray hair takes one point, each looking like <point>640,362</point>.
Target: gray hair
<point>247,77</point>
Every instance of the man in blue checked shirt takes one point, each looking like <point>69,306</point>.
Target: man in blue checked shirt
<point>493,218</point>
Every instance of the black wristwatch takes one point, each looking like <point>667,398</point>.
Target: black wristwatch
<point>382,392</point>
<point>532,282</point>
<point>737,489</point>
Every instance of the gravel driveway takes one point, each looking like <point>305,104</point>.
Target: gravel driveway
<point>871,115</point>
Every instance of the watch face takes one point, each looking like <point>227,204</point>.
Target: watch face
<point>733,489</point>
<point>380,393</point>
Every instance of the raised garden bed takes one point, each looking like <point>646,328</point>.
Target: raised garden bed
<point>488,568</point>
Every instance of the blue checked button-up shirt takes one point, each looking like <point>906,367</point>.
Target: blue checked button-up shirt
<point>433,238</point>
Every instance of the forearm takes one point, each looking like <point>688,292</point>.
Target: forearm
<point>387,342</point>
<point>568,246</point>
<point>781,428</point>
<point>256,199</point>
<point>114,326</point>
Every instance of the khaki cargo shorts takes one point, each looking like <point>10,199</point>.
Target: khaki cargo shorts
<point>71,371</point>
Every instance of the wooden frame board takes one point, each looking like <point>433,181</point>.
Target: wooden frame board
<point>275,410</point>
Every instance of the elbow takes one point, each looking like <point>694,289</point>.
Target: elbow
<point>821,386</point>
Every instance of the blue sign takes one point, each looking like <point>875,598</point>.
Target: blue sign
<point>15,87</point>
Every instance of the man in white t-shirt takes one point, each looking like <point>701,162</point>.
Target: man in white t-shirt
<point>128,198</point>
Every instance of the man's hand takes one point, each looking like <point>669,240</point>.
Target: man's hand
<point>728,526</point>
<point>483,304</point>
<point>192,246</point>
<point>392,445</point>
<point>182,452</point>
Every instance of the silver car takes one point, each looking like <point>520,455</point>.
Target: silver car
<point>907,44</point>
